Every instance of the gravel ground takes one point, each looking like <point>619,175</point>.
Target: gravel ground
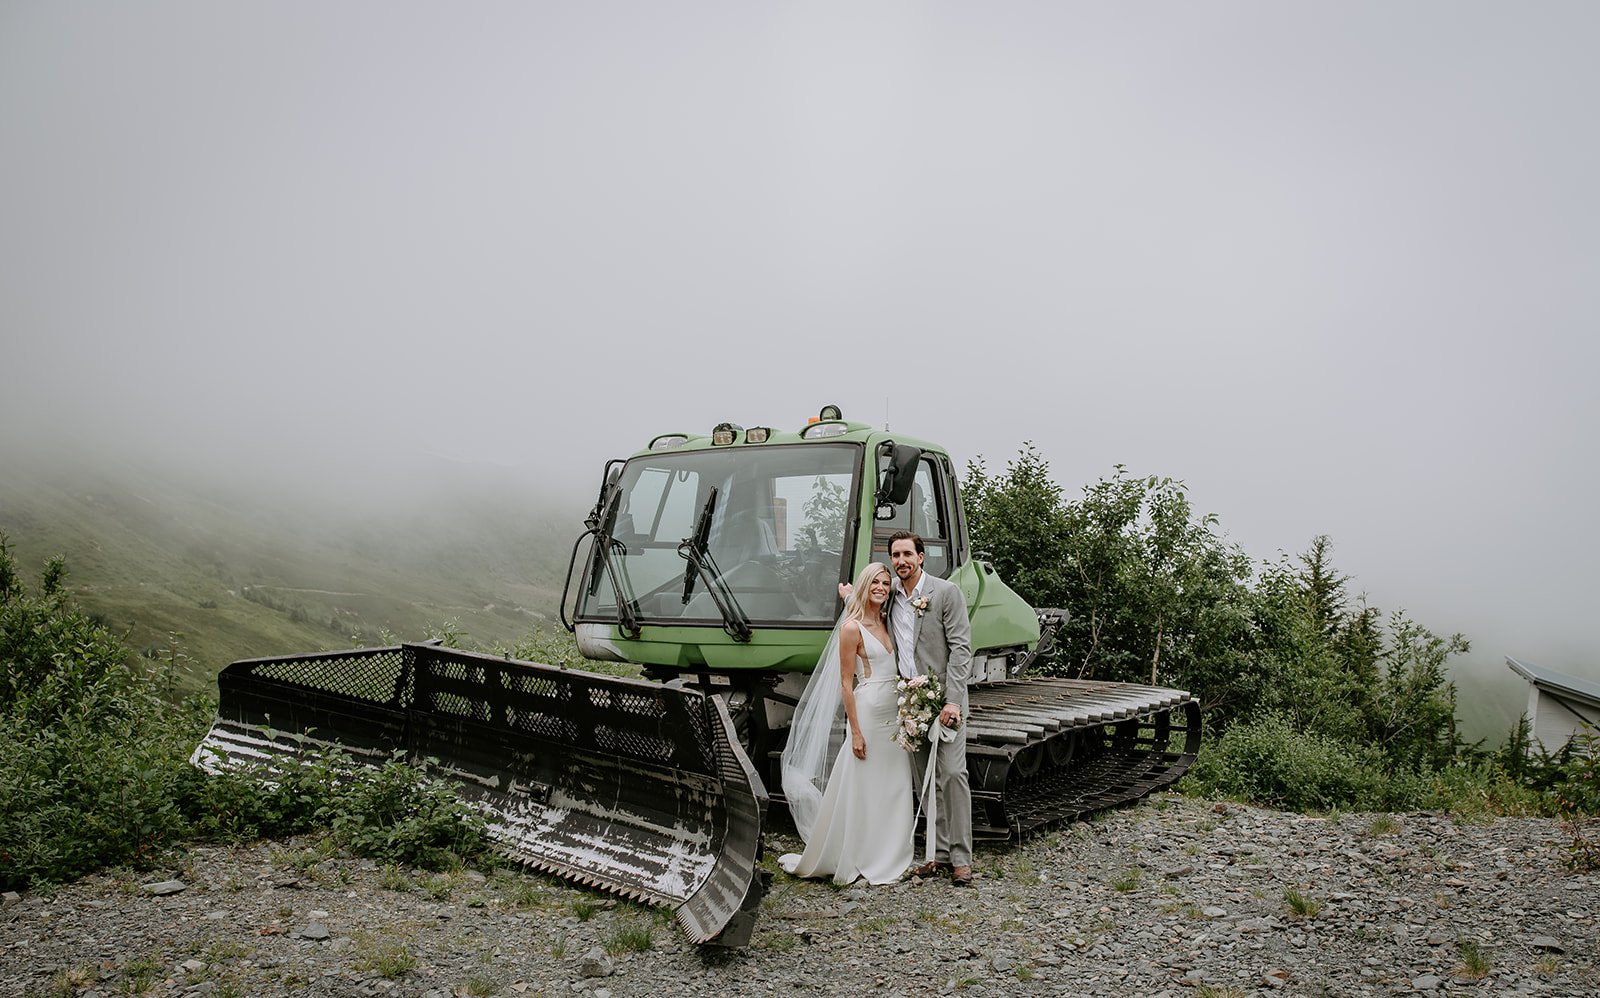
<point>1173,896</point>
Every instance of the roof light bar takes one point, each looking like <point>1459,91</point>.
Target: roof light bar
<point>816,430</point>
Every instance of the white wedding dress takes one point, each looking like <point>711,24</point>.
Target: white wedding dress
<point>863,826</point>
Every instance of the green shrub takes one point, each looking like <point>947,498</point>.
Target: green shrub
<point>1573,775</point>
<point>1480,787</point>
<point>293,796</point>
<point>394,814</point>
<point>397,814</point>
<point>59,661</point>
<point>551,646</point>
<point>92,759</point>
<point>1270,761</point>
<point>1273,762</point>
<point>1577,768</point>
<point>86,793</point>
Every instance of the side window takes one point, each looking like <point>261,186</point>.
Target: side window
<point>926,517</point>
<point>924,514</point>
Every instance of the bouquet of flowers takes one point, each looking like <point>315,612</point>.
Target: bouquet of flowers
<point>921,699</point>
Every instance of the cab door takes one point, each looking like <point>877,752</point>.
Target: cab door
<point>1003,625</point>
<point>930,514</point>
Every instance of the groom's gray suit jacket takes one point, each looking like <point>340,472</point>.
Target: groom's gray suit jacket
<point>943,644</point>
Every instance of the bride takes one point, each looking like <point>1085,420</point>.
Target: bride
<point>855,815</point>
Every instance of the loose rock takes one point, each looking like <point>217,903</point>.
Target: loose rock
<point>597,964</point>
<point>1059,915</point>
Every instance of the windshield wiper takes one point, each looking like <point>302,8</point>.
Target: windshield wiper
<point>698,541</point>
<point>696,550</point>
<point>626,617</point>
<point>599,526</point>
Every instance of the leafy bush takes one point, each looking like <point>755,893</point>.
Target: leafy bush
<point>1478,788</point>
<point>1573,776</point>
<point>1269,760</point>
<point>293,796</point>
<point>398,815</point>
<point>58,660</point>
<point>86,793</point>
<point>550,646</point>
<point>393,814</point>
<point>92,759</point>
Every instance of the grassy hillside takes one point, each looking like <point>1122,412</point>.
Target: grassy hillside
<point>221,573</point>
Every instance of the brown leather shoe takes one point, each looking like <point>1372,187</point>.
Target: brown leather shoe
<point>932,868</point>
<point>961,876</point>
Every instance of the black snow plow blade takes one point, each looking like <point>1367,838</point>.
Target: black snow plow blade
<point>1043,751</point>
<point>625,785</point>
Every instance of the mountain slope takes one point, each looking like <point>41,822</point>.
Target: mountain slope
<point>238,572</point>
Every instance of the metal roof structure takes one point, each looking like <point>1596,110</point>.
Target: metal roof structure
<point>1559,705</point>
<point>1558,683</point>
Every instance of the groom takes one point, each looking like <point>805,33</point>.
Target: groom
<point>933,636</point>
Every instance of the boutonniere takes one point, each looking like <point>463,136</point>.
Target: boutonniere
<point>920,604</point>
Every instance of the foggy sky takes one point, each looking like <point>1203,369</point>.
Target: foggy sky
<point>1332,264</point>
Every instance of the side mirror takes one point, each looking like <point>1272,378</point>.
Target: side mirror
<point>895,487</point>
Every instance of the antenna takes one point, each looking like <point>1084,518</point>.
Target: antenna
<point>886,414</point>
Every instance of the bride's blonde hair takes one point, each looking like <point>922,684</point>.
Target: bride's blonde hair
<point>857,607</point>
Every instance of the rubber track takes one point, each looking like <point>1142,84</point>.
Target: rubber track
<point>1045,751</point>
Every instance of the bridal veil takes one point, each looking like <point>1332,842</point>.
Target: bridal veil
<point>815,734</point>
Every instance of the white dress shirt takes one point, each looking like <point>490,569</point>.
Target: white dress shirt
<point>903,618</point>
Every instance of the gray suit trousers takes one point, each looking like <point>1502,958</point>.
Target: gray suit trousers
<point>954,824</point>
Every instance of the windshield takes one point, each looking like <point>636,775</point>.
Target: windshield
<point>777,533</point>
